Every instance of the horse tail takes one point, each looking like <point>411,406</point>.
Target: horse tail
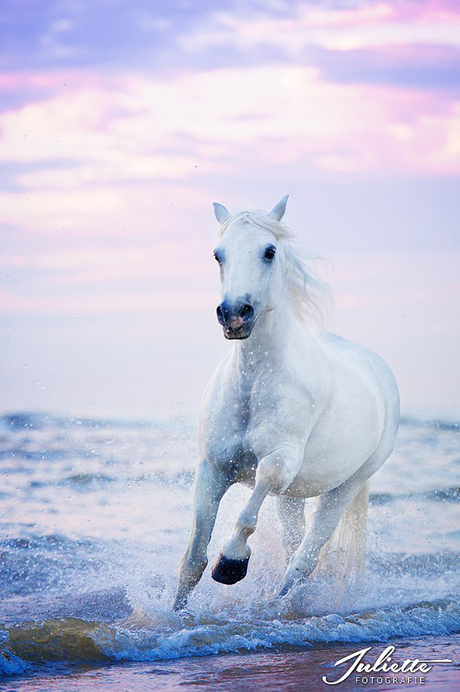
<point>345,551</point>
<point>350,539</point>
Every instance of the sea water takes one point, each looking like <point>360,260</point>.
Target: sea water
<point>95,516</point>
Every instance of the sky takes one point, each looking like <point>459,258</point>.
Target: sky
<point>121,123</point>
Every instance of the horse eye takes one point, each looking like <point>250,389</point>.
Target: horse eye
<point>270,253</point>
<point>216,257</point>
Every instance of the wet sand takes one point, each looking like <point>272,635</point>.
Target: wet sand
<point>285,671</point>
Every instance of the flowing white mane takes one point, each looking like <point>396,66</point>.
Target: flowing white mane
<point>310,295</point>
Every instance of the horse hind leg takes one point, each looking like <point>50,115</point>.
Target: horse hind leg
<point>348,502</point>
<point>345,505</point>
<point>291,511</point>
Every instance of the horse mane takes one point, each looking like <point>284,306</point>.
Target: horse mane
<point>310,296</point>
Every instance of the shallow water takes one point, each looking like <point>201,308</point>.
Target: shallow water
<point>287,670</point>
<point>95,517</point>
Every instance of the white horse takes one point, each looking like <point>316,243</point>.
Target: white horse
<point>289,411</point>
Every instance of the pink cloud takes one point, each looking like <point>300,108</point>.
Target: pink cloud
<point>56,80</point>
<point>97,209</point>
<point>135,148</point>
<point>429,11</point>
<point>356,16</point>
<point>343,29</point>
<point>146,128</point>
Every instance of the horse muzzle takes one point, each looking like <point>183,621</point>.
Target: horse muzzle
<point>237,320</point>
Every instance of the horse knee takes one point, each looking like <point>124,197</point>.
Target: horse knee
<point>277,470</point>
<point>273,471</point>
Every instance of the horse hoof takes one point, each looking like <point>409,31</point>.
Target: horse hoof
<point>289,586</point>
<point>284,591</point>
<point>228,571</point>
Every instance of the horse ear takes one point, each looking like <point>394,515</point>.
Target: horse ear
<point>278,210</point>
<point>222,214</point>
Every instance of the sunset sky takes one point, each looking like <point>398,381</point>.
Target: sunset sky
<point>121,122</point>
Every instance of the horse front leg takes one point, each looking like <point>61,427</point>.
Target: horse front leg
<point>275,472</point>
<point>210,487</point>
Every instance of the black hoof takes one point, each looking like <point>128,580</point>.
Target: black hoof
<point>228,571</point>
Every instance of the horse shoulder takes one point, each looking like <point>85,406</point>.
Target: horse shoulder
<point>285,405</point>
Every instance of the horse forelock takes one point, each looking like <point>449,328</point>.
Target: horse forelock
<point>309,294</point>
<point>259,219</point>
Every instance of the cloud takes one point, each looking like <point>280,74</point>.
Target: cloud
<point>133,118</point>
<point>419,66</point>
<point>57,33</point>
<point>114,155</point>
<point>127,129</point>
<point>97,209</point>
<point>365,26</point>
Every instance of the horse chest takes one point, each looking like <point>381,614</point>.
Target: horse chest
<point>226,424</point>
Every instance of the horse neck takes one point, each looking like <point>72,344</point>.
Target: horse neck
<point>268,341</point>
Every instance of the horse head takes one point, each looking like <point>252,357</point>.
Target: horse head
<point>251,274</point>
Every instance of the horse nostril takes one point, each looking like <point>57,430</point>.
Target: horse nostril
<point>246,311</point>
<point>223,312</point>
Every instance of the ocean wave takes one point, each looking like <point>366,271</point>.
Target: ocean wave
<point>80,641</point>
<point>34,420</point>
<point>448,494</point>
<point>20,421</point>
<point>441,424</point>
<point>11,664</point>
